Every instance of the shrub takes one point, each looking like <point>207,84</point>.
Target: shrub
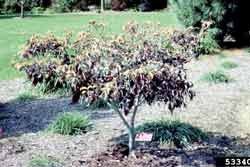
<point>247,50</point>
<point>222,55</point>
<point>99,104</point>
<point>71,124</point>
<point>64,5</point>
<point>208,43</point>
<point>2,6</point>
<point>26,96</point>
<point>166,131</point>
<point>37,10</point>
<point>38,6</point>
<point>145,64</point>
<point>44,161</point>
<point>14,6</point>
<point>227,16</point>
<point>49,11</point>
<point>217,77</point>
<point>193,12</point>
<point>118,5</point>
<point>229,65</point>
<point>40,58</point>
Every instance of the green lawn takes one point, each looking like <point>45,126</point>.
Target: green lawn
<point>15,31</point>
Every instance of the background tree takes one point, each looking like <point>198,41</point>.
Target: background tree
<point>21,3</point>
<point>1,6</point>
<point>102,5</point>
<point>228,16</point>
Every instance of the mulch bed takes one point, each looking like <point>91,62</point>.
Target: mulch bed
<point>154,156</point>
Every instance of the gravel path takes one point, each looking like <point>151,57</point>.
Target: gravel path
<point>221,108</point>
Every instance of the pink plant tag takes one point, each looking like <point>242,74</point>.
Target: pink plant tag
<point>146,137</point>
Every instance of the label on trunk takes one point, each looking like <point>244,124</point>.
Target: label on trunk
<point>146,137</point>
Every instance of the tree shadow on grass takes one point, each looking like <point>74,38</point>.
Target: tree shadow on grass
<point>21,117</point>
<point>17,16</point>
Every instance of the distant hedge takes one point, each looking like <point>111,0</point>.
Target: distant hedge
<point>142,5</point>
<point>11,6</point>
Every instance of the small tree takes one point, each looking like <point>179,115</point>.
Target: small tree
<point>143,65</point>
<point>148,82</point>
<point>20,3</point>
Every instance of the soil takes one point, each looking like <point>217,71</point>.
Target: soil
<point>221,109</point>
<point>200,154</point>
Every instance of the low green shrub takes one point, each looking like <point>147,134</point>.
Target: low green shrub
<point>48,88</point>
<point>49,11</point>
<point>166,131</point>
<point>217,77</point>
<point>208,43</point>
<point>99,104</point>
<point>247,50</point>
<point>222,55</point>
<point>37,10</point>
<point>71,123</point>
<point>229,65</point>
<point>64,5</point>
<point>44,161</point>
<point>26,96</point>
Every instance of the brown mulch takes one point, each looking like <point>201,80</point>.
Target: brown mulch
<point>154,156</point>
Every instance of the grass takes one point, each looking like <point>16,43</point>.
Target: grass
<point>71,123</point>
<point>41,89</point>
<point>216,77</point>
<point>222,55</point>
<point>229,65</point>
<point>15,31</point>
<point>43,161</point>
<point>247,50</point>
<point>168,131</point>
<point>99,104</point>
<point>26,96</point>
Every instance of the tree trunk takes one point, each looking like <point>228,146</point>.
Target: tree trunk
<point>131,144</point>
<point>130,126</point>
<point>22,10</point>
<point>102,5</point>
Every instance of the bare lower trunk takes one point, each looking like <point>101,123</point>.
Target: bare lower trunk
<point>102,5</point>
<point>22,11</point>
<point>131,144</point>
<point>130,128</point>
<point>129,125</point>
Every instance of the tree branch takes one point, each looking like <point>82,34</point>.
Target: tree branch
<point>20,3</point>
<point>134,109</point>
<point>124,120</point>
